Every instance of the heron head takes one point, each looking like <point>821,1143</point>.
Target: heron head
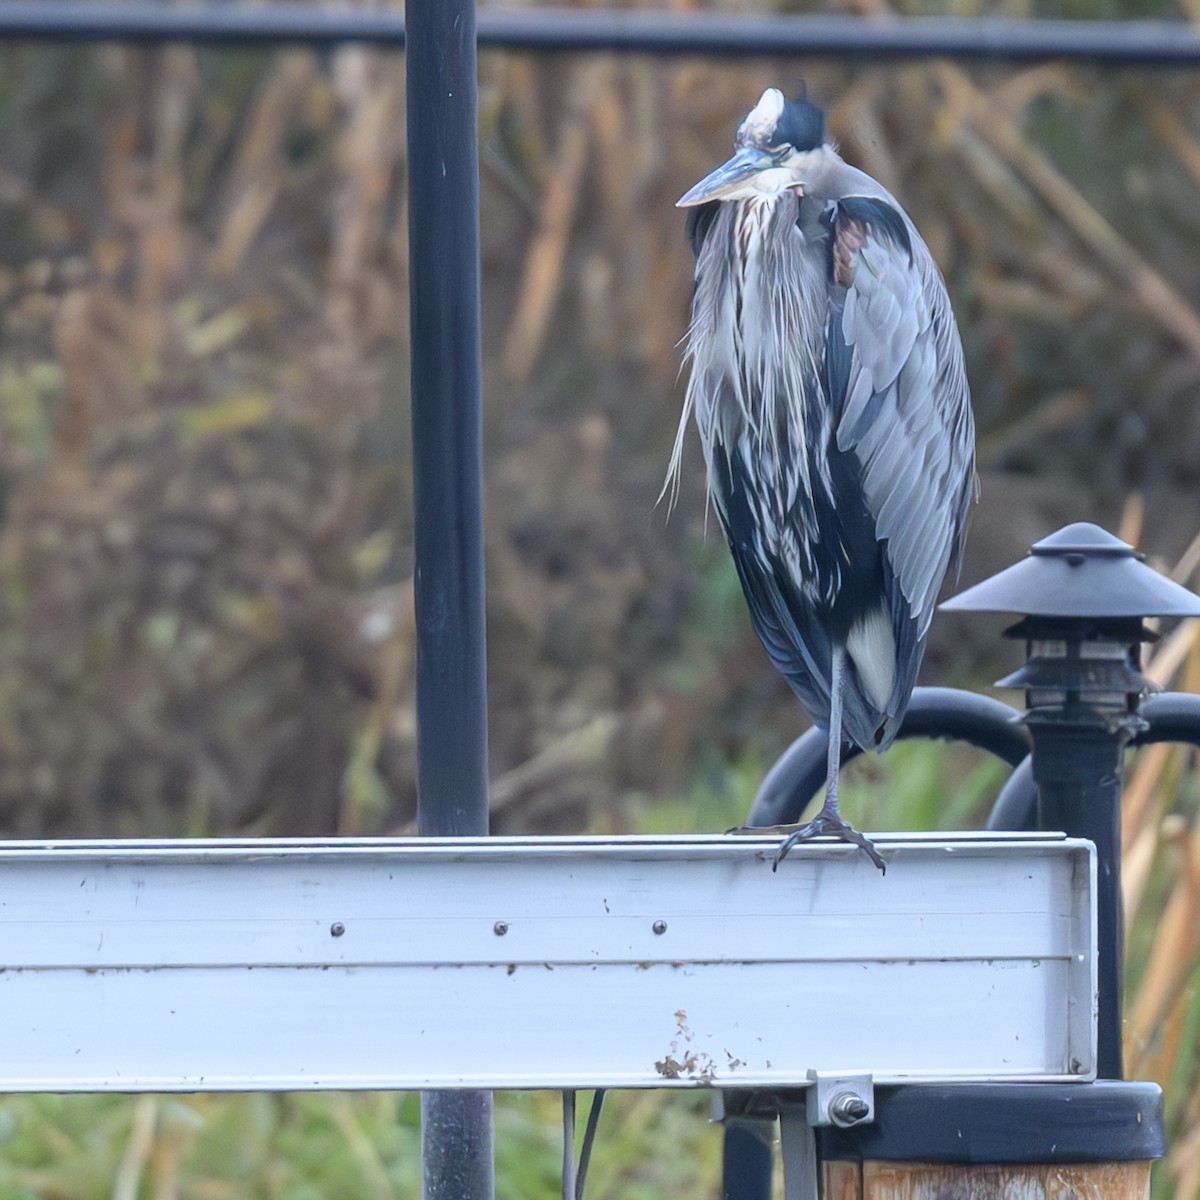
<point>775,144</point>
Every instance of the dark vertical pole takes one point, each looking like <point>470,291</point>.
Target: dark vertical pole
<point>456,1145</point>
<point>1077,769</point>
<point>749,1162</point>
<point>443,216</point>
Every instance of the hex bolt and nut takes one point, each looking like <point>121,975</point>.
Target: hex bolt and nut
<point>846,1108</point>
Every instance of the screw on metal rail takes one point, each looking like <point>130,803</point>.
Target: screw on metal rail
<point>1084,595</point>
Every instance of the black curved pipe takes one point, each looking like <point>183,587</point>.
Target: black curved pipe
<point>799,773</point>
<point>946,713</point>
<point>1170,717</point>
<point>1016,806</point>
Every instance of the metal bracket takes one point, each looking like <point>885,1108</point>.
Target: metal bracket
<point>831,1098</point>
<point>840,1099</point>
<point>798,1150</point>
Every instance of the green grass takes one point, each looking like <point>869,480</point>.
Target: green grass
<point>917,785</point>
<point>344,1145</point>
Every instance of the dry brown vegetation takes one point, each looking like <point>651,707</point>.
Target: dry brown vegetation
<point>204,486</point>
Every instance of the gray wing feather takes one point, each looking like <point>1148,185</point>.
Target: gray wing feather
<point>906,414</point>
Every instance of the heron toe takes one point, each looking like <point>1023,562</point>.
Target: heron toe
<point>826,824</point>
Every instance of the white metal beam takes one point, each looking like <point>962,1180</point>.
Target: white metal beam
<point>523,963</point>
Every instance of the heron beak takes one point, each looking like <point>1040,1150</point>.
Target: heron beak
<point>745,164</point>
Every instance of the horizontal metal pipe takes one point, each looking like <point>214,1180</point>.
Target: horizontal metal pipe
<point>1172,717</point>
<point>948,713</point>
<point>840,36</point>
<point>1114,43</point>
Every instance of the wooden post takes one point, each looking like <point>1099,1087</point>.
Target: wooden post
<point>1006,1181</point>
<point>1002,1141</point>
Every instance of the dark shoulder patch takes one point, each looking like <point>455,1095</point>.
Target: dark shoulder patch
<point>880,216</point>
<point>838,361</point>
<point>801,125</point>
<point>699,222</point>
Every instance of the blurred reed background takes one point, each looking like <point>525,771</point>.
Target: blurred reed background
<point>205,511</point>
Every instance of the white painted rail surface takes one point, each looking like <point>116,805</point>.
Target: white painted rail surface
<point>547,962</point>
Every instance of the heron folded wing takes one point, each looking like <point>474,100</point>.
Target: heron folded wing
<point>799,648</point>
<point>895,375</point>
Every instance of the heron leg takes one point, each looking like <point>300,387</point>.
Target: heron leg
<point>833,764</point>
<point>828,822</point>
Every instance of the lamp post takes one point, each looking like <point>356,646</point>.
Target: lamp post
<point>1084,595</point>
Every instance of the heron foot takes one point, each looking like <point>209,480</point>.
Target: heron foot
<point>827,824</point>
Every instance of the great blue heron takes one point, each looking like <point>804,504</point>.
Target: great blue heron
<point>828,388</point>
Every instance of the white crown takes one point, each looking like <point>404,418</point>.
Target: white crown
<point>759,125</point>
